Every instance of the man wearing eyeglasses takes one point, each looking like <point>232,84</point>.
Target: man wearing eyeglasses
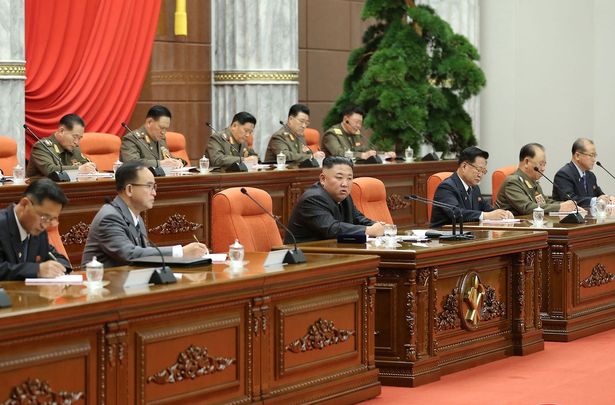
<point>290,139</point>
<point>25,251</point>
<point>461,190</point>
<point>117,234</point>
<point>576,178</point>
<point>61,146</point>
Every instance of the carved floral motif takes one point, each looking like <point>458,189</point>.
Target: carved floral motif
<point>492,307</point>
<point>599,276</point>
<point>397,202</point>
<point>35,391</point>
<point>191,363</point>
<point>422,277</point>
<point>449,318</point>
<point>410,303</point>
<point>176,223</point>
<point>76,235</point>
<point>529,258</point>
<point>321,334</point>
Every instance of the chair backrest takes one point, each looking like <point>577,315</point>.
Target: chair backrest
<point>497,178</point>
<point>235,216</point>
<point>177,145</point>
<point>8,155</point>
<point>250,140</point>
<point>102,149</point>
<point>312,139</point>
<point>55,240</point>
<point>370,197</point>
<point>432,184</point>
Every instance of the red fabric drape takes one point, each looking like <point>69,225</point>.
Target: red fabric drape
<point>87,57</point>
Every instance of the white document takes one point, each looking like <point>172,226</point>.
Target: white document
<point>501,221</point>
<point>65,279</point>
<point>216,257</point>
<point>562,213</point>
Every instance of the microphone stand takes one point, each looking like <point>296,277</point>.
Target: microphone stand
<point>573,217</point>
<point>311,162</point>
<point>57,176</point>
<point>156,171</point>
<point>164,275</point>
<point>604,168</point>
<point>235,166</point>
<point>454,209</point>
<point>293,256</point>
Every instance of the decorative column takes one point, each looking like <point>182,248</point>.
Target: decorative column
<point>255,63</point>
<point>12,72</point>
<point>464,18</point>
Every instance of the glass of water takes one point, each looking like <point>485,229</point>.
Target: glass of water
<point>19,174</point>
<point>235,254</point>
<point>600,208</point>
<point>204,165</point>
<point>539,216</point>
<point>390,230</point>
<point>409,154</point>
<point>281,160</point>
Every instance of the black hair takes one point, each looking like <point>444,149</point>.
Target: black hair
<point>128,173</point>
<point>353,110</point>
<point>579,145</point>
<point>331,161</point>
<point>470,154</point>
<point>529,151</point>
<point>45,189</point>
<point>158,111</point>
<point>69,121</point>
<point>244,117</point>
<point>298,108</point>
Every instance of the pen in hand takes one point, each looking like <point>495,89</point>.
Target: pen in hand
<point>197,241</point>
<point>55,259</point>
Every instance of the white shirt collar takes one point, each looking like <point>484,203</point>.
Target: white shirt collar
<point>135,218</point>
<point>581,172</point>
<point>22,232</point>
<point>464,184</point>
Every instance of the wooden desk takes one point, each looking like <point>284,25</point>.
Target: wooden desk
<point>297,334</point>
<point>422,299</point>
<point>183,204</point>
<point>578,296</point>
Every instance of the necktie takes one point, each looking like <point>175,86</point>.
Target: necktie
<point>469,192</point>
<point>24,248</point>
<point>142,240</point>
<point>584,178</point>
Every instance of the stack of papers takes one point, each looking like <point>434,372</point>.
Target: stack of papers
<point>65,279</point>
<point>500,221</point>
<point>216,257</point>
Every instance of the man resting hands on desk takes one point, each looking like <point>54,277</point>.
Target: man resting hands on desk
<point>326,209</point>
<point>25,251</point>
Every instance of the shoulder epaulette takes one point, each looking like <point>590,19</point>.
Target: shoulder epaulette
<point>337,131</point>
<point>47,142</point>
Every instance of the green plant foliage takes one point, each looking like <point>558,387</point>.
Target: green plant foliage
<point>412,71</point>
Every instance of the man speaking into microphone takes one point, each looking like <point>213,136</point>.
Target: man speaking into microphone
<point>520,192</point>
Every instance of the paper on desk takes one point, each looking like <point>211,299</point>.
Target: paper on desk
<point>500,221</point>
<point>216,257</point>
<point>562,213</point>
<point>182,169</point>
<point>65,279</point>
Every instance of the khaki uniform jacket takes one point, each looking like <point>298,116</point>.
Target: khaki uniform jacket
<point>42,162</point>
<point>283,141</point>
<point>137,145</point>
<point>223,150</point>
<point>520,195</point>
<point>336,141</point>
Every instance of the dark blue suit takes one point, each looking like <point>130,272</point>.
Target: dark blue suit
<point>12,265</point>
<point>451,191</point>
<point>568,180</point>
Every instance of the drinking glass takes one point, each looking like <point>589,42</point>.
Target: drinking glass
<point>409,154</point>
<point>600,208</point>
<point>539,216</point>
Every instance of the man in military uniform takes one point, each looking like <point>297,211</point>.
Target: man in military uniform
<point>289,139</point>
<point>147,144</point>
<point>347,136</point>
<point>62,146</point>
<point>520,192</point>
<point>231,145</point>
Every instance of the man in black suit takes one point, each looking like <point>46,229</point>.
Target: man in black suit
<point>461,190</point>
<point>326,209</point>
<point>25,251</point>
<point>576,178</point>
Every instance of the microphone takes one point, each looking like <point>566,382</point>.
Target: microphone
<point>453,208</point>
<point>428,157</point>
<point>163,275</point>
<point>311,162</point>
<point>572,218</point>
<point>235,166</point>
<point>156,171</point>
<point>292,256</point>
<point>604,168</point>
<point>58,176</point>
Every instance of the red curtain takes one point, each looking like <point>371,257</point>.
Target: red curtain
<point>87,57</point>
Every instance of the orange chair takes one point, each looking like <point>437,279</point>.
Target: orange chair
<point>177,145</point>
<point>53,234</point>
<point>497,178</point>
<point>235,216</point>
<point>432,185</point>
<point>251,140</point>
<point>102,149</point>
<point>370,197</point>
<point>312,139</point>
<point>8,155</point>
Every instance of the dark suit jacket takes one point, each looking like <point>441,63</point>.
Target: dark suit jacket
<point>114,238</point>
<point>451,191</point>
<point>317,217</point>
<point>11,265</point>
<point>568,180</point>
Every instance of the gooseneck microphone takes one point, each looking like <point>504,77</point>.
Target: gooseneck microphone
<point>453,208</point>
<point>604,168</point>
<point>572,218</point>
<point>163,275</point>
<point>234,167</point>
<point>156,171</point>
<point>311,162</point>
<point>293,256</point>
<point>57,175</point>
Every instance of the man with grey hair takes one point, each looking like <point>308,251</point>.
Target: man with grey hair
<point>576,178</point>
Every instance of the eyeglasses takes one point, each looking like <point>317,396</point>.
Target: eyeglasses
<point>150,186</point>
<point>481,170</point>
<point>591,155</point>
<point>44,218</point>
<point>302,122</point>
